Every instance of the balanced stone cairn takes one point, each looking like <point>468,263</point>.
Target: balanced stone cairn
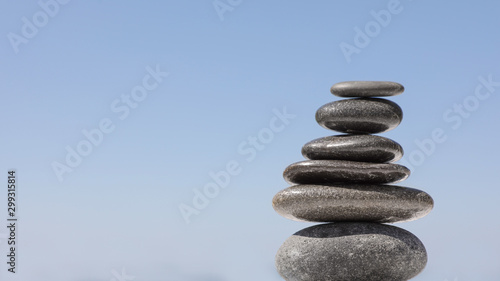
<point>344,183</point>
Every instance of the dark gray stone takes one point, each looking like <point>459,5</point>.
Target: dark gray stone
<point>351,252</point>
<point>356,202</point>
<point>360,115</point>
<point>366,89</point>
<point>341,171</point>
<point>363,148</point>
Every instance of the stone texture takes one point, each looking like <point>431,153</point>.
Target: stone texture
<point>363,148</point>
<point>355,202</point>
<point>341,171</point>
<point>366,89</point>
<point>360,115</point>
<point>351,252</point>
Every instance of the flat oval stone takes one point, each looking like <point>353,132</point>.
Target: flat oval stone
<point>351,251</point>
<point>367,89</point>
<point>354,202</point>
<point>360,115</point>
<point>341,171</point>
<point>363,148</point>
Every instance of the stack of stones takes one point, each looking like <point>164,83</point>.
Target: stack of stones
<point>345,183</point>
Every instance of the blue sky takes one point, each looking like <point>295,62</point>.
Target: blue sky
<point>69,67</point>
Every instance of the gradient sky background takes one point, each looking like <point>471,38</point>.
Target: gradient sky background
<point>119,209</point>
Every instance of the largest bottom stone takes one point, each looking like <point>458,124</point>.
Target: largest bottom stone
<point>351,251</point>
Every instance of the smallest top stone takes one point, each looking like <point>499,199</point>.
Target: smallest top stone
<point>367,89</point>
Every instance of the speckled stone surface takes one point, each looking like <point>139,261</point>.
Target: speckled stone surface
<point>360,115</point>
<point>339,171</point>
<point>351,251</point>
<point>363,148</point>
<point>356,202</point>
<point>366,89</point>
